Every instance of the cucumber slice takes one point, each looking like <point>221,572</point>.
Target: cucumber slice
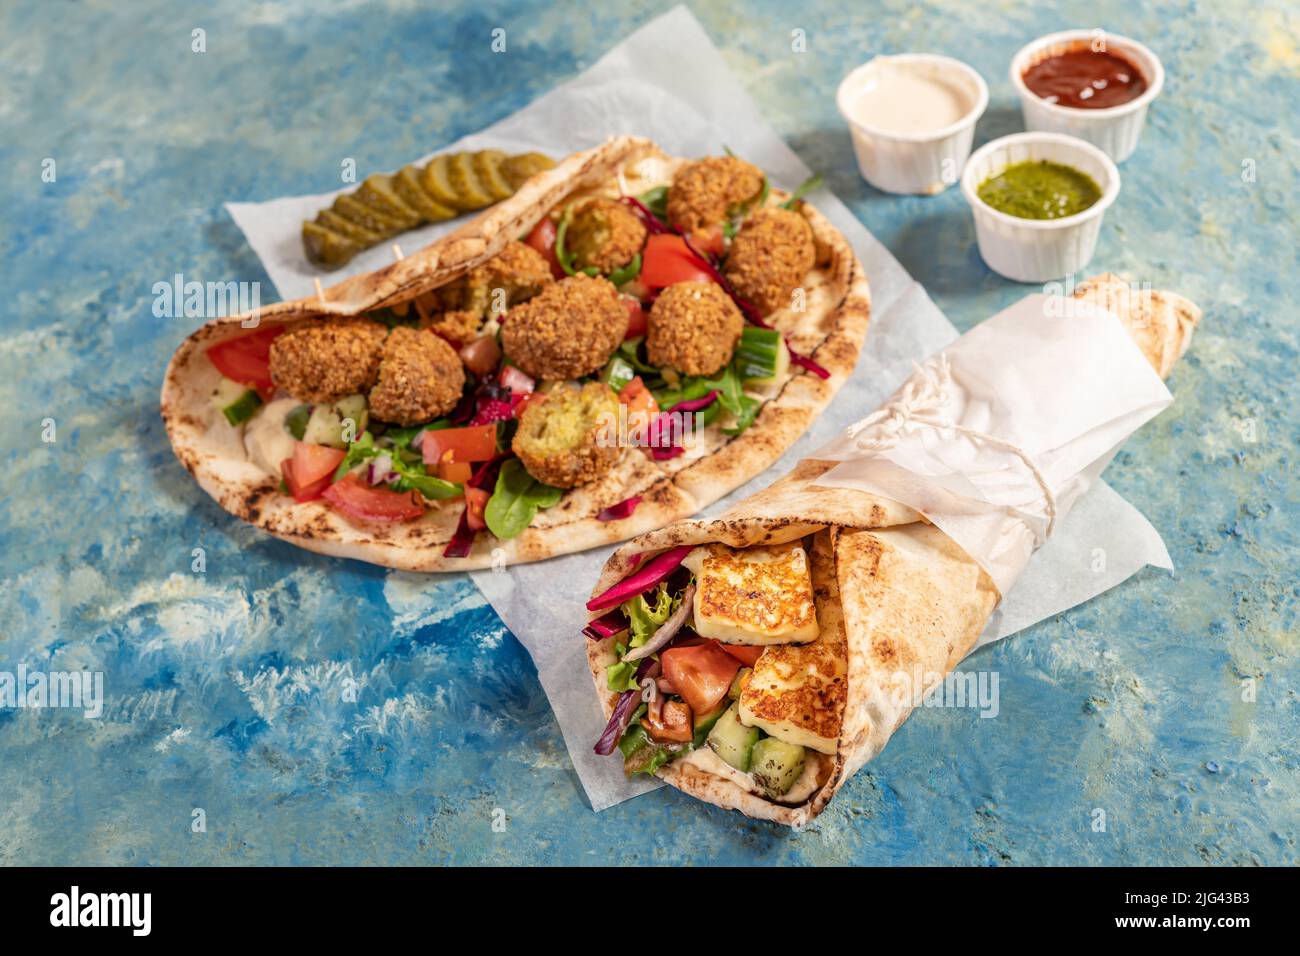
<point>470,193</point>
<point>354,409</point>
<point>377,192</point>
<point>738,682</point>
<point>295,423</point>
<point>487,164</point>
<point>327,248</point>
<point>704,725</point>
<point>516,169</point>
<point>324,427</point>
<point>617,373</point>
<point>346,227</point>
<point>437,183</point>
<point>237,402</point>
<point>761,356</point>
<point>776,765</point>
<point>354,210</point>
<point>408,186</point>
<point>733,741</point>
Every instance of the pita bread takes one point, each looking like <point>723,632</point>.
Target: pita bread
<point>830,330</point>
<point>890,587</point>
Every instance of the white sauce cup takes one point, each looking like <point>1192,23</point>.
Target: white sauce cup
<point>1115,129</point>
<point>1036,250</point>
<point>914,163</point>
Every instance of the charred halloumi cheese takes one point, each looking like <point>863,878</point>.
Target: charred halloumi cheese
<point>759,595</point>
<point>797,692</point>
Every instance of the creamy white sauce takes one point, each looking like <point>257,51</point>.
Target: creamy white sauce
<point>907,98</point>
<point>266,442</point>
<point>705,759</point>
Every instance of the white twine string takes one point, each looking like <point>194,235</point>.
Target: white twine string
<point>919,404</point>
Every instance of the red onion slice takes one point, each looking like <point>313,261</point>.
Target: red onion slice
<point>607,625</point>
<point>668,629</point>
<point>621,510</point>
<point>643,579</point>
<point>623,711</point>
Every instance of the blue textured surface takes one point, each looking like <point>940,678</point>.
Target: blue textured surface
<point>226,689</point>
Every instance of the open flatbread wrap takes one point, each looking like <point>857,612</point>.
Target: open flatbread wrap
<point>826,328</point>
<point>892,596</point>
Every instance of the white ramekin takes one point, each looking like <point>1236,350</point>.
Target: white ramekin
<point>1115,129</point>
<point>911,163</point>
<point>1036,250</point>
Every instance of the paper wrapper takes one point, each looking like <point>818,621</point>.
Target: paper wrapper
<point>668,82</point>
<point>900,600</point>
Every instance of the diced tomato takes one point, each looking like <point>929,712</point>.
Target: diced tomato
<point>641,408</point>
<point>743,653</point>
<point>636,322</point>
<point>300,492</point>
<point>359,500</point>
<point>667,261</point>
<point>542,238</point>
<point>709,241</point>
<point>311,463</point>
<point>482,356</point>
<point>247,359</point>
<point>476,500</point>
<point>701,674</point>
<point>516,380</point>
<point>532,398</point>
<point>455,471</point>
<point>674,725</point>
<point>636,289</point>
<point>472,443</point>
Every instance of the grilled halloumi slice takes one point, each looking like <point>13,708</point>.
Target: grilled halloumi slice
<point>796,692</point>
<point>754,595</point>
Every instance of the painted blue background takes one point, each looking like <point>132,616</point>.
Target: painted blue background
<point>226,688</point>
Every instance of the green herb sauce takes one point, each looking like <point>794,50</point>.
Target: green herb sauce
<point>1039,190</point>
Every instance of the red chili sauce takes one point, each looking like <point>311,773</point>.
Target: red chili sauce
<point>1083,78</point>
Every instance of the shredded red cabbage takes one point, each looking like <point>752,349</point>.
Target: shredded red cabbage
<point>607,625</point>
<point>624,709</point>
<point>641,580</point>
<point>652,222</point>
<point>462,540</point>
<point>695,404</point>
<point>621,510</point>
<point>804,362</point>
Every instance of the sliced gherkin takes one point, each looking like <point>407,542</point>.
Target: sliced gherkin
<point>407,183</point>
<point>487,165</point>
<point>350,207</point>
<point>326,247</point>
<point>437,183</point>
<point>378,193</point>
<point>348,229</point>
<point>518,168</point>
<point>471,193</point>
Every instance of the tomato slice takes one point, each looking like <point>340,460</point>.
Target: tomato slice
<point>476,500</point>
<point>481,356</point>
<point>311,463</point>
<point>301,492</point>
<point>702,674</point>
<point>636,322</point>
<point>516,380</point>
<point>674,725</point>
<point>472,443</point>
<point>641,408</point>
<point>743,653</point>
<point>358,500</point>
<point>667,260</point>
<point>247,359</point>
<point>709,241</point>
<point>542,238</point>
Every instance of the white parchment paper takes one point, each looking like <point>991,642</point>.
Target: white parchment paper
<point>668,82</point>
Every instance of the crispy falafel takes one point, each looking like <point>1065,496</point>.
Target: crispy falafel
<point>420,377</point>
<point>693,327</point>
<point>702,192</point>
<point>566,331</point>
<point>459,327</point>
<point>568,439</point>
<point>519,271</point>
<point>604,234</point>
<point>770,257</point>
<point>324,361</point>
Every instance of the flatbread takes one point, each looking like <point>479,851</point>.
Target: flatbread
<point>830,330</point>
<point>909,600</point>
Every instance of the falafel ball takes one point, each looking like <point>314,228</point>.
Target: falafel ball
<point>693,327</point>
<point>459,327</point>
<point>420,377</point>
<point>569,438</point>
<point>704,190</point>
<point>606,234</point>
<point>324,361</point>
<point>519,271</point>
<point>770,257</point>
<point>566,331</point>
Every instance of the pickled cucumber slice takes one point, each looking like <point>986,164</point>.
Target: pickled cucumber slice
<point>470,193</point>
<point>346,227</point>
<point>487,166</point>
<point>377,192</point>
<point>326,247</point>
<point>437,183</point>
<point>518,168</point>
<point>351,208</point>
<point>407,183</point>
